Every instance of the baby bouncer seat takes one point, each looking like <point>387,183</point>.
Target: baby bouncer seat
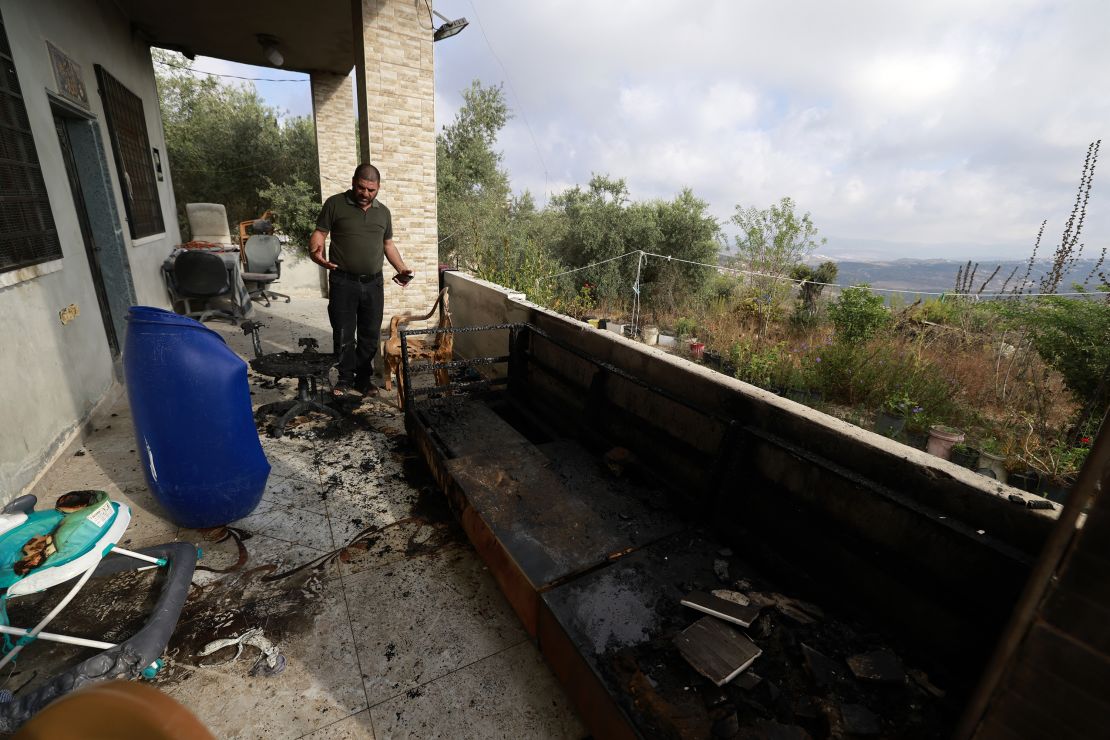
<point>43,549</point>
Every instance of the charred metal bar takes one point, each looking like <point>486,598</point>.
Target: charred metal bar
<point>463,386</point>
<point>516,359</point>
<point>459,329</point>
<point>427,367</point>
<point>405,365</point>
<point>456,399</point>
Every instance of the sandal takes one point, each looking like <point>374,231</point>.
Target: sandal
<point>342,390</point>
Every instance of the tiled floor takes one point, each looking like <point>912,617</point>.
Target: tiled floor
<point>389,623</point>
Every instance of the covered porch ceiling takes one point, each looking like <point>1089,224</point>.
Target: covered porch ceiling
<point>312,36</point>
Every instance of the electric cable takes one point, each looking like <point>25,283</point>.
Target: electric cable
<point>236,77</point>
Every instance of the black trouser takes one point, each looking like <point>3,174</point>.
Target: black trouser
<point>355,310</point>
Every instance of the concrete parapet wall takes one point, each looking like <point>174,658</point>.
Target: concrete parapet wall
<point>822,495</point>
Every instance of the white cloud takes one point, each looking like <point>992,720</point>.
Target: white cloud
<point>944,122</point>
<point>932,123</point>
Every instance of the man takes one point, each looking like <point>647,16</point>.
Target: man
<point>361,236</point>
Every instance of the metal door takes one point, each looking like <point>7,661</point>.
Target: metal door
<point>91,247</point>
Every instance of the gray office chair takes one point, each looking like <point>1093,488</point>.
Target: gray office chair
<point>201,276</point>
<point>263,253</point>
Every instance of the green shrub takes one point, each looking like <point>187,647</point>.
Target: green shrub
<point>881,374</point>
<point>685,327</point>
<point>764,364</point>
<point>1073,337</point>
<point>941,310</point>
<point>965,314</point>
<point>858,314</point>
<point>719,287</point>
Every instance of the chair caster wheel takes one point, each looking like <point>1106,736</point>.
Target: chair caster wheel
<point>152,670</point>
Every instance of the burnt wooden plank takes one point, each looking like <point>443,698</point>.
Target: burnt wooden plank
<point>471,427</point>
<point>613,615</point>
<point>626,491</point>
<point>715,606</point>
<point>553,528</point>
<point>881,666</point>
<point>597,707</point>
<point>716,650</point>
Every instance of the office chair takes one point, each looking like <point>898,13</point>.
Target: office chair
<point>263,252</point>
<point>201,276</point>
<point>208,223</point>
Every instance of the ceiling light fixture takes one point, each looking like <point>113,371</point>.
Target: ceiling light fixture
<point>449,28</point>
<point>270,49</point>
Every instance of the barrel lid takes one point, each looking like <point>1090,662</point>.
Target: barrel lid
<point>162,317</point>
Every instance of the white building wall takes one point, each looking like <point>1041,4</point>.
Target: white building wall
<point>52,374</point>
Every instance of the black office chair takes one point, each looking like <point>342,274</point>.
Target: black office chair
<point>263,253</point>
<point>201,276</point>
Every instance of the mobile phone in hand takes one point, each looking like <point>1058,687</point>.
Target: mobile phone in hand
<point>403,278</point>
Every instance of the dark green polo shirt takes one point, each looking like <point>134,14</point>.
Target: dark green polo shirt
<point>357,236</point>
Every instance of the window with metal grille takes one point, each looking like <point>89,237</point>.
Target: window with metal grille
<point>27,233</point>
<point>123,112</point>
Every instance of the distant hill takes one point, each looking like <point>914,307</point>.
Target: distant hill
<point>937,276</point>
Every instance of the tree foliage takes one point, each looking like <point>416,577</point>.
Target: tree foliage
<point>295,206</point>
<point>473,189</point>
<point>602,222</point>
<point>770,243</point>
<point>226,145</point>
<point>485,229</point>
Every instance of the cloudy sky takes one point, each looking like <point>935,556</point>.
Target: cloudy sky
<point>947,128</point>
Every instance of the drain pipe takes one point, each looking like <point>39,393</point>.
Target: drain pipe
<point>1086,488</point>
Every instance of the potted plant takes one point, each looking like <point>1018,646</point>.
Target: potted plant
<point>918,422</point>
<point>941,440</point>
<point>891,417</point>
<point>1059,467</point>
<point>964,455</point>
<point>992,459</point>
<point>1026,479</point>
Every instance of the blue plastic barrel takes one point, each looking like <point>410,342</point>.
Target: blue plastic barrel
<point>194,425</point>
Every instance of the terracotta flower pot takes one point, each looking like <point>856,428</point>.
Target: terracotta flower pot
<point>941,439</point>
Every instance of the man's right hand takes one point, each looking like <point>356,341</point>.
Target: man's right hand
<point>319,259</point>
<point>316,250</point>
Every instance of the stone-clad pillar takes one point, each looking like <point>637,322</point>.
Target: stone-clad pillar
<point>397,102</point>
<point>333,110</point>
